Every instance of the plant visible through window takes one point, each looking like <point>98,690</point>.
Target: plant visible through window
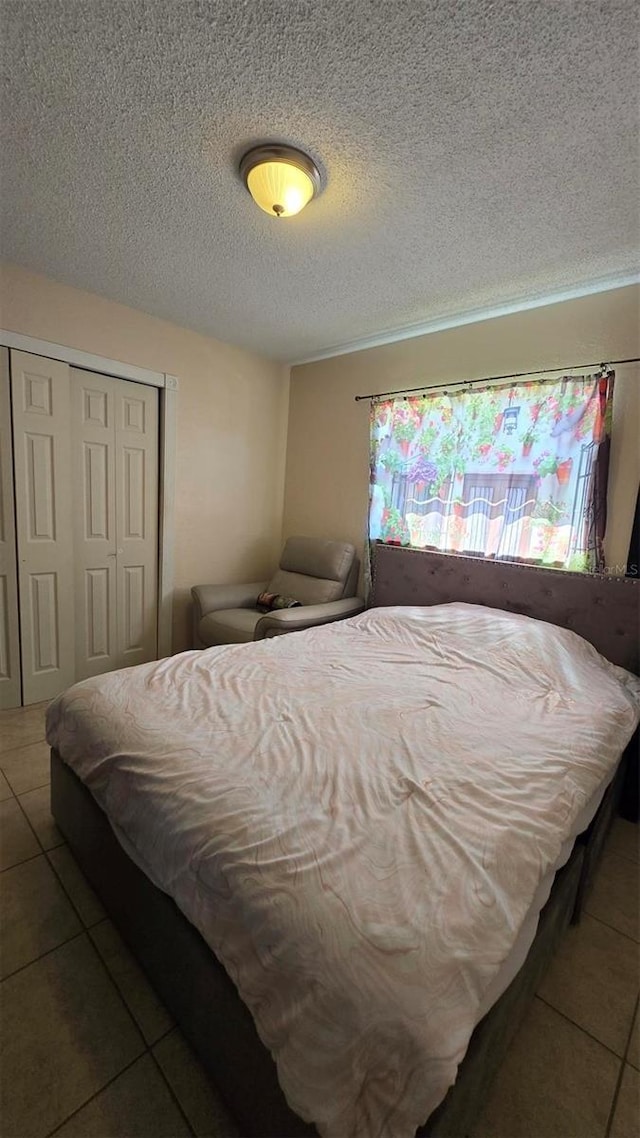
<point>517,471</point>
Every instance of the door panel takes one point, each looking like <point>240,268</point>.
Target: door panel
<point>41,426</point>
<point>133,459</point>
<point>134,617</point>
<point>94,525</point>
<point>137,520</point>
<point>39,479</point>
<point>10,694</point>
<point>44,610</point>
<point>99,611</point>
<point>96,490</point>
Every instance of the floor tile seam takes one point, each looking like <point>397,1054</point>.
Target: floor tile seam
<point>116,989</point>
<point>95,1095</point>
<point>614,1102</point>
<point>21,746</point>
<point>172,1092</point>
<point>17,794</point>
<point>146,1047</point>
<point>584,1030</point>
<point>43,955</point>
<point>104,963</point>
<point>33,857</point>
<point>625,856</point>
<point>161,1038</point>
<point>149,1043</point>
<point>75,936</point>
<point>630,1035</point>
<point>67,894</point>
<point>609,926</point>
<point>28,820</point>
<point>147,1050</point>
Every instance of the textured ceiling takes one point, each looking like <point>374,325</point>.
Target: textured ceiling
<point>476,152</point>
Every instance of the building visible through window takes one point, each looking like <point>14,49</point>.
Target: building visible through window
<point>516,472</point>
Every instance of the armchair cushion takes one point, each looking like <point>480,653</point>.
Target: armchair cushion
<point>210,598</point>
<point>307,590</point>
<point>313,571</point>
<point>309,616</point>
<point>229,626</point>
<point>315,557</point>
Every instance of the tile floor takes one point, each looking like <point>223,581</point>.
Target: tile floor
<point>88,1051</point>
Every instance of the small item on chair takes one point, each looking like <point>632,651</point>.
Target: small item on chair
<point>267,602</point>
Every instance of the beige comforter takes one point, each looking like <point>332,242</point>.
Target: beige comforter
<point>356,818</point>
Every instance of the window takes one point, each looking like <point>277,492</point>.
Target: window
<point>515,472</point>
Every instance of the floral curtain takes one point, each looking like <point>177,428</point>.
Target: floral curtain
<point>517,471</point>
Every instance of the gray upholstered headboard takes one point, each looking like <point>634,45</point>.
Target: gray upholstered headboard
<point>604,610</point>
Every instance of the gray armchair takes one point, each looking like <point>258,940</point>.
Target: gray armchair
<point>322,575</point>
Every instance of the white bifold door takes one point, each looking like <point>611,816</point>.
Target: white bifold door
<point>86,486</point>
<point>114,430</point>
<point>40,400</point>
<point>10,690</point>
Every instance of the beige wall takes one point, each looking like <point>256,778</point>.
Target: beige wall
<point>326,488</point>
<point>231,428</point>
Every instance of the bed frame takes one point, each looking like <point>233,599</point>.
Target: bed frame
<point>186,974</point>
<point>604,610</point>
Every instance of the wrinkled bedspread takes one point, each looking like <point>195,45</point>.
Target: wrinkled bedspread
<point>356,818</point>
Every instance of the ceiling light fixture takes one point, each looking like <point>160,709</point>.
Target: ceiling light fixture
<point>280,179</point>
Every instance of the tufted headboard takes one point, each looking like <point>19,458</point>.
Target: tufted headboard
<point>604,610</point>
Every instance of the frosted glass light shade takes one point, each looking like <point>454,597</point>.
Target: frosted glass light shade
<point>281,180</point>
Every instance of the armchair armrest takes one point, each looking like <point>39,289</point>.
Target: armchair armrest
<point>209,598</point>
<point>307,616</point>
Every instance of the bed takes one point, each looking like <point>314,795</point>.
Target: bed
<point>374,913</point>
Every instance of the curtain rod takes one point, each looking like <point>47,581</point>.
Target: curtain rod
<point>490,379</point>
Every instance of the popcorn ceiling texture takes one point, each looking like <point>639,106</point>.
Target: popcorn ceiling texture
<point>475,153</point>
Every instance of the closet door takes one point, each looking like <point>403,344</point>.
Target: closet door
<point>115,457</point>
<point>136,412</point>
<point>94,521</point>
<point>9,634</point>
<point>42,466</point>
